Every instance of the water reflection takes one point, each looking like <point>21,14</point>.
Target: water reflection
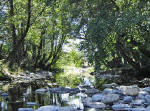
<point>3,105</point>
<point>18,98</point>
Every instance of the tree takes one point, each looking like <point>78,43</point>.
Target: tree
<point>30,40</point>
<point>116,30</point>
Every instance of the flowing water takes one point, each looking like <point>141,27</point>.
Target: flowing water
<point>16,100</point>
<point>25,97</point>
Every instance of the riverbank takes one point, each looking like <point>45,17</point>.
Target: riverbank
<point>42,91</point>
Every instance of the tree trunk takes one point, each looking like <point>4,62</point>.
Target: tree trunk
<point>17,54</point>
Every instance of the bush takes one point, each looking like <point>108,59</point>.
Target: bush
<point>99,83</point>
<point>68,80</point>
<point>72,59</point>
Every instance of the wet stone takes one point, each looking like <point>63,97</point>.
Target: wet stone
<point>88,103</point>
<point>129,90</point>
<point>4,94</point>
<point>112,85</point>
<point>63,90</point>
<point>97,97</point>
<point>138,102</point>
<point>31,104</point>
<point>81,95</point>
<point>88,99</point>
<point>138,109</point>
<point>120,107</point>
<point>56,108</point>
<point>25,109</point>
<point>110,98</point>
<point>142,94</point>
<point>147,98</point>
<point>93,109</point>
<point>147,89</point>
<point>42,90</point>
<point>97,105</point>
<point>92,91</point>
<point>128,99</point>
<point>148,108</point>
<point>107,91</point>
<point>116,91</point>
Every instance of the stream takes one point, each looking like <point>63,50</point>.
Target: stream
<point>30,99</point>
<point>26,97</point>
<point>72,92</point>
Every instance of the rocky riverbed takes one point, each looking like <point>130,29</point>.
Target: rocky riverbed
<point>25,95</point>
<point>113,97</point>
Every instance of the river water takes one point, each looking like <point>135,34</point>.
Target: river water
<point>26,97</point>
<point>15,96</point>
<point>31,99</point>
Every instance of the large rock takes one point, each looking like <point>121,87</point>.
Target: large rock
<point>110,98</point>
<point>142,94</point>
<point>92,91</point>
<point>63,90</point>
<point>97,105</point>
<point>138,109</point>
<point>129,90</point>
<point>88,99</point>
<point>97,97</point>
<point>127,99</point>
<point>138,102</point>
<point>116,91</point>
<point>107,91</point>
<point>147,89</point>
<point>120,107</point>
<point>56,108</point>
<point>147,98</point>
<point>90,104</point>
<point>111,91</point>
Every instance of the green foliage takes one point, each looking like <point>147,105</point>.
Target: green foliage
<point>99,83</point>
<point>68,80</point>
<point>72,58</point>
<point>110,29</point>
<point>77,58</point>
<point>116,33</point>
<point>36,30</point>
